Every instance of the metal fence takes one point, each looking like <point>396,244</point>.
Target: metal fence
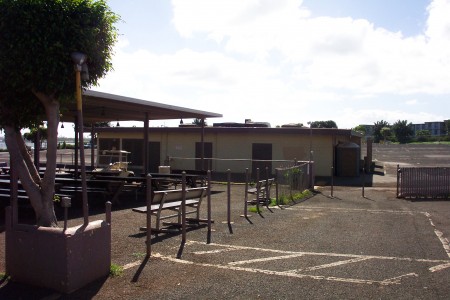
<point>423,182</point>
<point>220,166</point>
<point>294,179</point>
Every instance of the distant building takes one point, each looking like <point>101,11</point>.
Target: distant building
<point>435,128</point>
<point>232,146</point>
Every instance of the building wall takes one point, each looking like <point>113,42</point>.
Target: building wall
<point>233,149</point>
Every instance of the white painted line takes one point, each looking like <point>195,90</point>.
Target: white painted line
<point>396,280</point>
<point>265,259</point>
<point>346,210</point>
<point>352,256</point>
<point>439,268</point>
<point>330,265</point>
<point>277,273</point>
<point>440,235</point>
<point>215,251</point>
<point>132,265</point>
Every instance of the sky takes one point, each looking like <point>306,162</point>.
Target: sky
<point>286,61</point>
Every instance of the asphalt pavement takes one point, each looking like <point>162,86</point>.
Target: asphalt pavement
<point>341,243</point>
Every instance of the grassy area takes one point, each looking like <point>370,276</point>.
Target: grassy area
<point>287,199</point>
<point>284,200</point>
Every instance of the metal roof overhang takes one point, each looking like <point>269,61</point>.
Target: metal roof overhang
<point>104,107</point>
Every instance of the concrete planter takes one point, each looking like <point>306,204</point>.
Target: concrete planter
<point>53,258</point>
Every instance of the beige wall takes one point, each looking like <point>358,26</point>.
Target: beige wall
<point>234,150</point>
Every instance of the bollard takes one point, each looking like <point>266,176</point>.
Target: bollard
<point>258,191</point>
<point>183,208</point>
<point>148,200</point>
<point>229,197</point>
<point>209,207</point>
<point>332,181</point>
<point>363,181</point>
<point>65,203</point>
<point>246,194</point>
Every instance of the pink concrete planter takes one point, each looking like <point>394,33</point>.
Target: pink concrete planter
<point>61,260</point>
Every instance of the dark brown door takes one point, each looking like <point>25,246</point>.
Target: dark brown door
<point>207,153</point>
<point>262,158</point>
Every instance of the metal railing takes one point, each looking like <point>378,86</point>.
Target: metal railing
<point>423,182</point>
<point>294,179</point>
<point>236,165</point>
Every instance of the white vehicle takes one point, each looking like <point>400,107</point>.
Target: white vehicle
<point>116,162</point>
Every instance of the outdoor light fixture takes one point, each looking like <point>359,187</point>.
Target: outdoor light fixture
<point>84,72</point>
<point>118,124</point>
<point>78,58</point>
<point>62,125</point>
<point>181,121</point>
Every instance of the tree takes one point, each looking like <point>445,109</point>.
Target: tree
<point>37,77</point>
<point>377,126</point>
<point>385,132</point>
<point>423,132</point>
<point>34,133</point>
<point>323,124</point>
<point>361,129</point>
<point>403,131</point>
<point>198,122</point>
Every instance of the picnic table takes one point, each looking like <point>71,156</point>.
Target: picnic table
<point>104,188</point>
<point>167,180</point>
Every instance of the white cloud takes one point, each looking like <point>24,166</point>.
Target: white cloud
<point>276,63</point>
<point>412,102</point>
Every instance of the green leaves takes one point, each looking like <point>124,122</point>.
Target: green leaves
<point>36,40</point>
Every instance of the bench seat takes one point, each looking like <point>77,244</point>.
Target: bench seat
<point>172,200</point>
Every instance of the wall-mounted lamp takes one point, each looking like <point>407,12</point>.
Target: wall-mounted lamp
<point>62,125</point>
<point>181,121</point>
<point>118,124</point>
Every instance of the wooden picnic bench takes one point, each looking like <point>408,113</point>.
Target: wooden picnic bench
<point>197,177</point>
<point>172,200</point>
<point>261,192</point>
<point>22,197</point>
<point>107,189</point>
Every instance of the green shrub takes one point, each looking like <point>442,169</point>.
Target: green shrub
<point>115,270</point>
<point>285,199</point>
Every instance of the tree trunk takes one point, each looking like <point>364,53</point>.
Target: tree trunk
<point>40,191</point>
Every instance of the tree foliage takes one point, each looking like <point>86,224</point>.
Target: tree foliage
<point>377,126</point>
<point>385,132</point>
<point>199,122</point>
<point>361,129</point>
<point>37,38</point>
<point>403,131</point>
<point>323,124</point>
<point>37,76</point>
<point>35,132</point>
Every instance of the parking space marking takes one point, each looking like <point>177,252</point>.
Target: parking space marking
<point>343,259</point>
<point>250,261</point>
<point>300,273</point>
<point>440,235</point>
<point>335,264</point>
